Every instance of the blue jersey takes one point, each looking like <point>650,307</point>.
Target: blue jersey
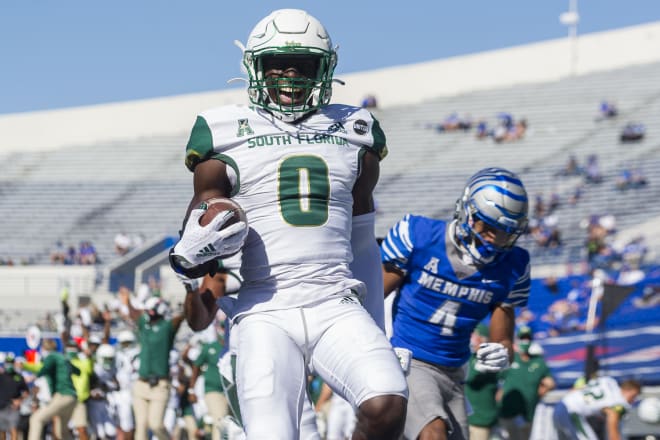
<point>443,298</point>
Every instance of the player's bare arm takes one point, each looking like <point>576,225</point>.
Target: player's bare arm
<point>612,418</point>
<point>209,180</point>
<point>502,326</point>
<point>200,306</point>
<point>392,278</point>
<point>363,201</point>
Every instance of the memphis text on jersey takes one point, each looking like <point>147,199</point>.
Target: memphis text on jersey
<point>440,285</point>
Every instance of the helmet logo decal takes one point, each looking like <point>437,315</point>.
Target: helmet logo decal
<point>361,127</point>
<point>244,128</point>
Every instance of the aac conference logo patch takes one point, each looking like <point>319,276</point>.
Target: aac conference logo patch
<point>361,127</point>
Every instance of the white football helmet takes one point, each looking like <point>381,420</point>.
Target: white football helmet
<point>126,337</point>
<point>156,307</point>
<point>105,356</point>
<point>285,35</point>
<point>498,198</point>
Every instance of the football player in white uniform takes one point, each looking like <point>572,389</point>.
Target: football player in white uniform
<point>602,395</point>
<point>103,385</point>
<point>304,171</point>
<point>127,358</point>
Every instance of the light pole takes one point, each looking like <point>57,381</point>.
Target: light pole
<point>570,19</point>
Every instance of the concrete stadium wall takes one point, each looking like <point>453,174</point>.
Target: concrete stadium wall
<point>394,86</point>
<point>39,287</point>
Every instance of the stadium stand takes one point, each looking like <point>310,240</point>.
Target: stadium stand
<point>95,191</point>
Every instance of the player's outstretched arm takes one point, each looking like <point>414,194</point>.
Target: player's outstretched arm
<point>612,419</point>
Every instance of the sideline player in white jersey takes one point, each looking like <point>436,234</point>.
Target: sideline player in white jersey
<point>600,395</point>
<point>103,385</point>
<point>127,359</point>
<point>304,171</point>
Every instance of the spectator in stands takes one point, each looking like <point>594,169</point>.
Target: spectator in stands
<point>600,396</point>
<point>369,102</point>
<point>563,316</point>
<point>572,167</point>
<point>87,253</point>
<point>576,195</point>
<point>634,252</point>
<point>58,370</point>
<point>58,255</point>
<point>71,256</point>
<point>607,110</point>
<point>499,133</point>
<point>517,131</point>
<point>546,232</point>
<point>630,178</point>
<point>482,130</point>
<point>524,385</point>
<point>539,206</point>
<point>505,119</point>
<point>454,122</point>
<point>633,132</point>
<point>650,297</point>
<point>123,243</point>
<point>592,170</point>
<point>600,253</point>
<point>480,391</point>
<point>554,203</point>
<point>151,391</point>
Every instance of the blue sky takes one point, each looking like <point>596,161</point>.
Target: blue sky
<point>57,54</point>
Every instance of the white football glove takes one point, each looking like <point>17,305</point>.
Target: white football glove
<point>491,358</point>
<point>405,357</point>
<point>199,244</point>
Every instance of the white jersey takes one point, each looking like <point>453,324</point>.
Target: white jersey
<point>293,180</point>
<point>598,394</point>
<point>127,362</point>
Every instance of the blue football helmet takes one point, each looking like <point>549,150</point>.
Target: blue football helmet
<point>498,199</point>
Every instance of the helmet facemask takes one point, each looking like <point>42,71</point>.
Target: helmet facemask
<point>300,80</point>
<point>491,215</point>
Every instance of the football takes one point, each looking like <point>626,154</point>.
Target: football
<point>215,206</point>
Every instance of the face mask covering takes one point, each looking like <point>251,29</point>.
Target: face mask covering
<point>524,346</point>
